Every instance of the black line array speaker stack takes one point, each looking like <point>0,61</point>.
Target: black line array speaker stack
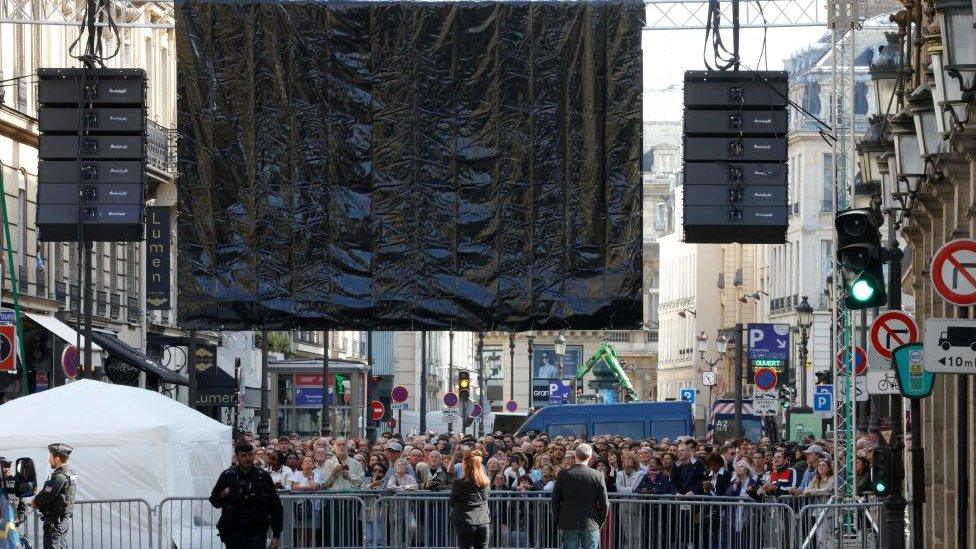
<point>92,151</point>
<point>735,152</point>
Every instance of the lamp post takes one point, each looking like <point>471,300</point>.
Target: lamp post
<point>559,345</point>
<point>959,44</point>
<point>722,346</point>
<point>804,320</point>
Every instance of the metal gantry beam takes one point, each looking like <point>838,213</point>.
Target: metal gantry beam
<point>693,14</point>
<point>144,14</point>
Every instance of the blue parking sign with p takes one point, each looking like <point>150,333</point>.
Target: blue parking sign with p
<point>687,395</point>
<point>823,402</point>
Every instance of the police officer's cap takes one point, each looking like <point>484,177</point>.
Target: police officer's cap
<point>243,447</point>
<point>60,449</point>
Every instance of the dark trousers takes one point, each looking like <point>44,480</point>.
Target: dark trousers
<point>244,540</point>
<point>472,537</point>
<point>56,533</point>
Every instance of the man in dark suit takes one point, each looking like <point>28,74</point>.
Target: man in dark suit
<point>579,502</point>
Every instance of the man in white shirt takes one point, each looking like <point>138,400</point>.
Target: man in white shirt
<point>340,472</point>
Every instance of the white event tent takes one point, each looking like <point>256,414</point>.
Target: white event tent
<point>129,444</point>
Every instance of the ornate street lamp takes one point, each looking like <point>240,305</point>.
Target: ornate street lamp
<point>559,345</point>
<point>884,75</point>
<point>909,166</point>
<point>926,128</point>
<point>871,147</point>
<point>804,320</point>
<point>959,43</point>
<point>722,345</point>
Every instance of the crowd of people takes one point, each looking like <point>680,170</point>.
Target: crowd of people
<point>681,466</point>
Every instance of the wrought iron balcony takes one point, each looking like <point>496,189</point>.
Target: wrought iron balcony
<point>161,147</point>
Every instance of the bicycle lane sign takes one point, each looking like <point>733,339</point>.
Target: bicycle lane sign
<point>884,382</point>
<point>953,272</point>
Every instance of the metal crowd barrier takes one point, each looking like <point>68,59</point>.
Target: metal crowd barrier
<point>104,524</point>
<point>854,525</point>
<point>519,520</point>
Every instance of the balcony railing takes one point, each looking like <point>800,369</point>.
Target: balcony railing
<point>161,147</point>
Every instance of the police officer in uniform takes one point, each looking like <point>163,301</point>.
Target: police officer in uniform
<point>249,503</point>
<point>57,497</point>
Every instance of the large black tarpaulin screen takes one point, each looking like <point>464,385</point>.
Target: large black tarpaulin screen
<point>407,165</point>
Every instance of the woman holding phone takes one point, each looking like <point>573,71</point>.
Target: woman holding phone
<point>469,503</point>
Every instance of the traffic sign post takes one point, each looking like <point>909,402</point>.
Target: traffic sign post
<point>475,411</point>
<point>889,330</point>
<point>765,402</point>
<point>950,345</point>
<point>766,379</point>
<point>451,400</point>
<point>511,406</point>
<point>399,396</point>
<point>953,272</point>
<point>883,382</point>
<point>860,361</point>
<point>376,410</point>
<point>823,403</point>
<point>8,348</point>
<point>687,395</point>
<point>861,389</point>
<point>69,361</point>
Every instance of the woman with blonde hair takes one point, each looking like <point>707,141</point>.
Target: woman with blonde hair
<point>469,503</point>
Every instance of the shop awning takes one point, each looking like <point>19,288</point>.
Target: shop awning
<point>135,358</point>
<point>60,329</point>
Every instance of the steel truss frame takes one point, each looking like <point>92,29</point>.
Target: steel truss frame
<point>693,14</point>
<point>144,14</point>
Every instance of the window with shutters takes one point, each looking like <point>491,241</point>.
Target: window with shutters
<point>98,279</point>
<point>827,203</point>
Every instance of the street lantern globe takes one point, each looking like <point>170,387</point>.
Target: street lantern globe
<point>947,96</point>
<point>923,114</point>
<point>908,161</point>
<point>804,313</point>
<point>723,344</point>
<point>884,74</point>
<point>871,147</point>
<point>702,342</point>
<point>959,43</point>
<point>559,345</point>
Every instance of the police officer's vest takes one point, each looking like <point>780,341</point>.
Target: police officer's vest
<point>64,502</point>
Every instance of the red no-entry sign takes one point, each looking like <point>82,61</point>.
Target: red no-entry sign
<point>376,410</point>
<point>891,330</point>
<point>953,272</point>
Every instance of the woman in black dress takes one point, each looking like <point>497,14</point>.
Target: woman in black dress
<point>469,503</point>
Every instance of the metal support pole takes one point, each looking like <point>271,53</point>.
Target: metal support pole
<point>264,428</point>
<point>370,388</point>
<point>450,379</point>
<point>964,413</point>
<point>895,503</point>
<point>423,381</point>
<point>531,340</point>
<point>481,383</point>
<point>89,303</point>
<point>236,429</point>
<point>511,354</point>
<point>739,351</point>
<point>326,420</point>
<point>735,32</point>
<point>191,370</point>
<point>804,341</point>
<point>864,413</point>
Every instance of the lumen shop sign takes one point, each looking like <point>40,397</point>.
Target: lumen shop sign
<point>158,295</point>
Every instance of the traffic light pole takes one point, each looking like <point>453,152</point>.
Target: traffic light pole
<point>895,503</point>
<point>739,358</point>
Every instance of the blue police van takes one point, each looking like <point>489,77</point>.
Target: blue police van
<point>636,420</point>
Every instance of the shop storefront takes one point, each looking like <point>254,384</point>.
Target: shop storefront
<point>296,396</point>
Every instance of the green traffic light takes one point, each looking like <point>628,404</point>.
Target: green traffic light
<point>862,290</point>
<point>880,487</point>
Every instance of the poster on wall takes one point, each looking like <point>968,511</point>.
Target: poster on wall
<point>545,369</point>
<point>494,373</point>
